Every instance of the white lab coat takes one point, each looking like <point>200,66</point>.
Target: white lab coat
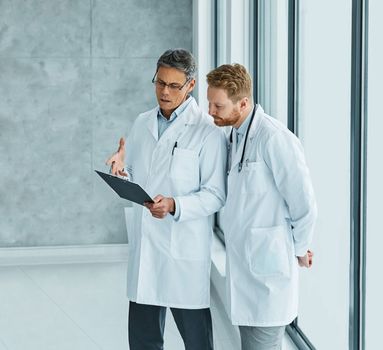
<point>169,260</point>
<point>268,220</point>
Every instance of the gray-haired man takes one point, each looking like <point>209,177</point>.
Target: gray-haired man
<point>178,155</point>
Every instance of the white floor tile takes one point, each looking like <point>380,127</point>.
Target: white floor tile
<point>92,295</point>
<point>30,320</point>
<point>170,325</point>
<point>172,338</point>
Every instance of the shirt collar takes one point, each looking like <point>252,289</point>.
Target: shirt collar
<point>243,127</point>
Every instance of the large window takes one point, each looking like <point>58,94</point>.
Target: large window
<point>220,32</point>
<point>273,57</point>
<point>323,125</point>
<point>321,107</point>
<point>309,62</point>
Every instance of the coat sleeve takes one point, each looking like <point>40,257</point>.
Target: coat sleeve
<point>283,153</point>
<point>212,191</point>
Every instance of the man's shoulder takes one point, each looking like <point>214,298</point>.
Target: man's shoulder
<point>271,127</point>
<point>273,134</point>
<point>143,117</point>
<point>201,119</point>
<point>205,122</point>
<point>148,113</point>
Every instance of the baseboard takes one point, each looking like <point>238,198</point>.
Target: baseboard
<point>95,253</point>
<point>63,254</point>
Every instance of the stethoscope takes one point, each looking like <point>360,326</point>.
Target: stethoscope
<point>240,165</point>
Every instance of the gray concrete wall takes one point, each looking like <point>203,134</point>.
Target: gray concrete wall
<point>73,77</point>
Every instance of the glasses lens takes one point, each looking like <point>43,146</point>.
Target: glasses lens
<point>175,86</point>
<point>172,86</point>
<point>160,84</point>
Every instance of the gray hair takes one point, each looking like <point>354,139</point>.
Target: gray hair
<point>180,59</point>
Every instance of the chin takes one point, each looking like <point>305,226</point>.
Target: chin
<point>222,123</point>
<point>218,121</point>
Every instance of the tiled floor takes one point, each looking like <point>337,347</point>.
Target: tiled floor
<point>75,307</point>
<point>80,307</point>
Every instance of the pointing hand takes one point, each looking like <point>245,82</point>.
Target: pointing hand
<point>116,161</point>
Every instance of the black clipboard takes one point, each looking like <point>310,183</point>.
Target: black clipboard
<point>126,189</point>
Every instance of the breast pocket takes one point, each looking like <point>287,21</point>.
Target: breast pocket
<point>256,177</point>
<point>267,251</point>
<point>184,170</point>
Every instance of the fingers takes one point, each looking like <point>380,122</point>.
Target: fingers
<point>116,166</point>
<point>121,144</point>
<point>308,261</point>
<point>305,261</point>
<point>300,262</point>
<point>158,209</point>
<point>110,160</point>
<point>116,170</point>
<point>158,198</point>
<point>122,173</point>
<point>310,255</point>
<point>121,147</point>
<point>148,206</point>
<point>311,260</point>
<point>157,214</point>
<point>113,168</point>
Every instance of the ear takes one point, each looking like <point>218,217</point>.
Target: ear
<point>243,103</point>
<point>191,85</point>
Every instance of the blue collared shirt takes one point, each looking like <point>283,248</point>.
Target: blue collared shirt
<point>241,131</point>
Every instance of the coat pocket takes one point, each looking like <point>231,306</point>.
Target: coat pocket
<point>256,178</point>
<point>184,171</point>
<point>267,251</point>
<point>191,240</point>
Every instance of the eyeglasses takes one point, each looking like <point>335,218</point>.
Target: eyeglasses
<point>172,86</point>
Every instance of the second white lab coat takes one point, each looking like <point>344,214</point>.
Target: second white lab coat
<point>268,221</point>
<point>169,261</point>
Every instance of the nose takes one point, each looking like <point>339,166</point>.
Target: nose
<point>211,111</point>
<point>165,92</point>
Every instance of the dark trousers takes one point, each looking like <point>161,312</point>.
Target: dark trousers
<point>147,323</point>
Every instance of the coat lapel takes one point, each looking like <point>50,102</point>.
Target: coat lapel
<point>152,123</point>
